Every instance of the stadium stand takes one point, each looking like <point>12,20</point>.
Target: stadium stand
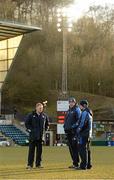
<point>17,135</point>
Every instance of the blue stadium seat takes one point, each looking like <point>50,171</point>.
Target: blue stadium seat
<point>18,136</point>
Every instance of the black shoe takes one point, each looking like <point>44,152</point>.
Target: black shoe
<point>73,166</point>
<point>39,166</point>
<point>89,166</point>
<point>76,167</point>
<point>81,168</point>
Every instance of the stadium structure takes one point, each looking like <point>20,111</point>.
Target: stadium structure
<point>11,35</point>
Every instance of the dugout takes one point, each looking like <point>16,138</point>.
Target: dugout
<point>103,133</point>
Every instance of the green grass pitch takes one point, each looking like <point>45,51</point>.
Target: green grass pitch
<point>55,161</point>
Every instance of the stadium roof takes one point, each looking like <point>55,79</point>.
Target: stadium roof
<point>10,30</point>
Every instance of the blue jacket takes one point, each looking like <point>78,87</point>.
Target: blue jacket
<point>72,117</point>
<point>85,123</point>
<point>36,124</point>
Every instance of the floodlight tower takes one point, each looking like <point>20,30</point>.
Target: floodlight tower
<point>64,25</point>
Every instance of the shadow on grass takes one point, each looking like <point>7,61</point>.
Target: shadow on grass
<point>21,171</point>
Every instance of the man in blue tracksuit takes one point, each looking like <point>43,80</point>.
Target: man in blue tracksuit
<point>72,117</point>
<point>36,123</point>
<point>84,132</point>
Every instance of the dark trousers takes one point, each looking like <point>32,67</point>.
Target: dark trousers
<point>84,152</point>
<point>73,149</point>
<point>36,144</point>
<point>89,154</point>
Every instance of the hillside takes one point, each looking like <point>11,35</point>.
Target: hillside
<point>103,107</point>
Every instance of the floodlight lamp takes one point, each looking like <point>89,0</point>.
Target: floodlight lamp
<point>59,30</point>
<point>58,24</point>
<point>58,10</point>
<point>69,29</point>
<point>59,19</point>
<point>58,14</point>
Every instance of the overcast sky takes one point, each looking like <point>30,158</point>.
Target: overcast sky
<point>81,6</point>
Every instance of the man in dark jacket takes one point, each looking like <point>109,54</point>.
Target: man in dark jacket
<point>72,117</point>
<point>84,132</point>
<point>36,123</point>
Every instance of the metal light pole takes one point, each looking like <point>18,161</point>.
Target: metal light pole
<point>64,27</point>
<point>64,65</point>
<point>0,100</point>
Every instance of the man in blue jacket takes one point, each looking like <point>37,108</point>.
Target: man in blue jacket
<point>84,132</point>
<point>72,117</point>
<point>36,122</point>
